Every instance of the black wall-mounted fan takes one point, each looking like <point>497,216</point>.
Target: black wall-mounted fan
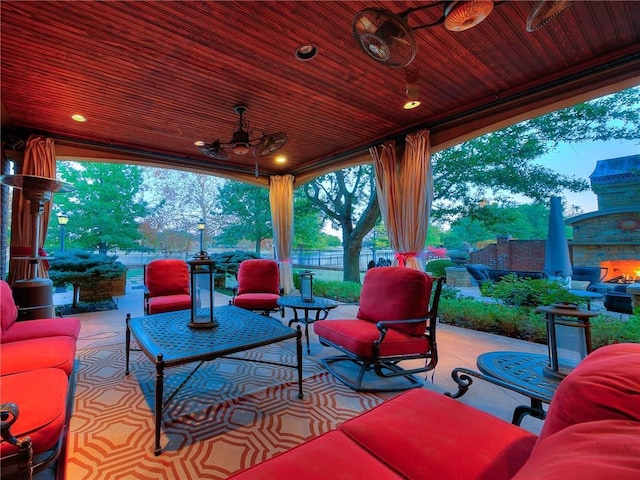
<point>385,37</point>
<point>388,38</point>
<point>241,142</point>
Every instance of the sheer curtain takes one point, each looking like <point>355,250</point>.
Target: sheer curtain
<point>39,159</point>
<point>281,200</point>
<point>405,192</point>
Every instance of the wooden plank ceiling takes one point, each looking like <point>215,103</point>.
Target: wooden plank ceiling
<point>153,77</point>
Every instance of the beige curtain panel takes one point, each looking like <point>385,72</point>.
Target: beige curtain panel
<point>39,159</point>
<point>405,192</point>
<point>281,200</point>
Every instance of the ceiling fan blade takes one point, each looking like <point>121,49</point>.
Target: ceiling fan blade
<point>545,11</point>
<point>269,144</point>
<point>214,150</point>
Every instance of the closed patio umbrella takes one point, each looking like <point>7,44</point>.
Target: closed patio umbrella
<point>557,264</point>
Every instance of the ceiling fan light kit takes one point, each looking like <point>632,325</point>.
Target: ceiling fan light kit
<point>241,142</point>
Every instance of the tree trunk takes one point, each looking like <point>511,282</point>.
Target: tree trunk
<point>258,247</point>
<point>351,260</point>
<point>76,293</point>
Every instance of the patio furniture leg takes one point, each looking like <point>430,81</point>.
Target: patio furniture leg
<point>299,355</point>
<point>535,410</point>
<point>159,393</point>
<point>127,344</point>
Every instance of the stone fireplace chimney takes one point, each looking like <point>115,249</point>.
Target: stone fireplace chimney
<point>610,237</point>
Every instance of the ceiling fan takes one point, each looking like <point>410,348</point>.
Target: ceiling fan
<point>241,142</point>
<point>387,37</point>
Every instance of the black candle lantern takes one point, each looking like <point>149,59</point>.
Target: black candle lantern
<point>306,286</point>
<point>201,267</point>
<point>568,337</point>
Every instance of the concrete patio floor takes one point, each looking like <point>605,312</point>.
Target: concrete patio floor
<point>457,347</point>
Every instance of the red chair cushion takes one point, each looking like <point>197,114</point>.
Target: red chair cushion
<point>41,398</point>
<point>466,442</point>
<point>258,276</point>
<point>358,336</point>
<point>330,456</point>
<point>26,355</point>
<point>8,309</point>
<point>599,449</point>
<point>47,327</point>
<point>169,303</point>
<point>167,277</point>
<point>605,385</point>
<point>395,293</point>
<point>257,301</point>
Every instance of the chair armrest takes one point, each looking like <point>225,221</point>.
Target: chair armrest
<point>18,465</point>
<point>384,324</point>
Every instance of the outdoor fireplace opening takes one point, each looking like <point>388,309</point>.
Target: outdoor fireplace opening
<point>622,271</point>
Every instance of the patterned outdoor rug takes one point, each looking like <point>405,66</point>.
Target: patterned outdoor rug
<point>230,415</point>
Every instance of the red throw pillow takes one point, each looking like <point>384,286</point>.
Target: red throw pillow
<point>605,385</point>
<point>8,309</point>
<point>395,293</point>
<point>603,449</point>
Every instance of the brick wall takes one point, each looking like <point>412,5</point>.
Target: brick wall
<point>511,254</point>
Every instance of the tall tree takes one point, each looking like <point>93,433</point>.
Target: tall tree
<point>182,199</point>
<point>498,165</point>
<point>348,199</point>
<point>245,214</point>
<point>106,206</point>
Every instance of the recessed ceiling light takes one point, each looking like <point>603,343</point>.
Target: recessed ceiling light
<point>281,159</point>
<point>78,118</point>
<point>306,52</point>
<point>411,104</point>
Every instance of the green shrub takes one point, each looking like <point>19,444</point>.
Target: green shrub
<point>527,292</point>
<point>606,330</point>
<point>437,267</point>
<point>347,292</point>
<point>515,322</point>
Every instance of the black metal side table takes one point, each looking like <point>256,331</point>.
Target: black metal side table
<point>519,372</point>
<point>320,305</point>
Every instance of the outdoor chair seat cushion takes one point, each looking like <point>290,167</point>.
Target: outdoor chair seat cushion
<point>330,456</point>
<point>169,303</point>
<point>12,331</point>
<point>46,327</point>
<point>41,399</point>
<point>358,336</point>
<point>402,439</point>
<point>257,301</point>
<point>25,355</point>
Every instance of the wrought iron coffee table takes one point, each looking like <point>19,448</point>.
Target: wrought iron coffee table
<point>519,372</point>
<point>168,341</point>
<point>319,304</point>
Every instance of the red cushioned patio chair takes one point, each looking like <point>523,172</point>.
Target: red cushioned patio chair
<point>258,286</point>
<point>396,321</point>
<point>166,283</point>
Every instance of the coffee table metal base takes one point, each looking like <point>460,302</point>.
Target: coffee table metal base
<point>519,372</point>
<point>167,341</point>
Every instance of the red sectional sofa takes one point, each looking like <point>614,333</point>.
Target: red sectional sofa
<point>36,373</point>
<point>592,431</point>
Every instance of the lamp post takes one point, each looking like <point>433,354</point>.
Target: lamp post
<point>63,219</point>
<point>201,227</point>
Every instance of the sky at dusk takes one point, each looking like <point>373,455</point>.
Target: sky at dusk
<point>580,161</point>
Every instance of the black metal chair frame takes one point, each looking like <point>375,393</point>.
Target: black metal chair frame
<point>387,366</point>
